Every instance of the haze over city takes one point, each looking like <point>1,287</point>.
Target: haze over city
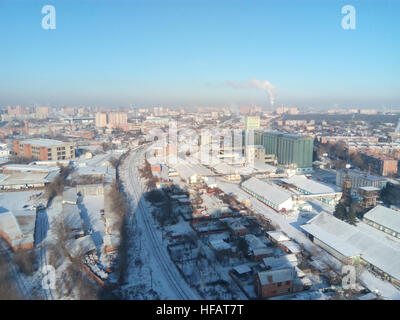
<point>188,53</point>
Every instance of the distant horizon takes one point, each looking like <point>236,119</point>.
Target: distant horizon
<point>312,109</point>
<point>201,53</point>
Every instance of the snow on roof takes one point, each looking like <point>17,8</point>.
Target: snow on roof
<point>327,228</point>
<point>211,182</point>
<point>292,246</point>
<point>30,168</point>
<point>287,261</point>
<point>351,241</point>
<point>81,245</point>
<point>9,225</point>
<point>309,185</point>
<point>26,178</point>
<point>71,216</point>
<point>70,196</point>
<point>274,276</point>
<point>43,142</point>
<point>95,170</point>
<point>263,251</point>
<point>153,161</point>
<point>219,245</point>
<point>224,168</point>
<point>242,269</point>
<point>267,190</point>
<point>188,170</point>
<point>263,167</point>
<point>254,242</point>
<point>278,236</point>
<point>369,188</point>
<point>385,217</point>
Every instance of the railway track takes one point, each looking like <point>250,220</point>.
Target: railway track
<point>162,257</point>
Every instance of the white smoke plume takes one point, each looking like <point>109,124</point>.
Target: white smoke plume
<point>265,85</point>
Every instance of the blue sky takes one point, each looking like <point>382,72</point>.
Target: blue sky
<point>183,53</point>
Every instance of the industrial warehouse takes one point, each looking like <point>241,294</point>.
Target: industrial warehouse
<point>351,244</point>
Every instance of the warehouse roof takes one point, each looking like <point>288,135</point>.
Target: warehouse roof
<point>26,178</point>
<point>375,248</point>
<point>332,232</point>
<point>309,185</point>
<point>187,170</point>
<point>385,217</point>
<point>267,190</point>
<point>224,168</point>
<point>30,168</point>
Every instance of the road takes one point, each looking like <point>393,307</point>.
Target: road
<point>165,268</point>
<point>41,228</point>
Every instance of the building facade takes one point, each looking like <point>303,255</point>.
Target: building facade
<point>289,149</point>
<point>359,179</point>
<point>45,149</point>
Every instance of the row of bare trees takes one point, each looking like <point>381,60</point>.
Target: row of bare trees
<point>8,290</point>
<point>72,277</point>
<point>56,187</point>
<point>145,172</point>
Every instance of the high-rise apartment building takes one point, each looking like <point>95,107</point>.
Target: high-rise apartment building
<point>101,119</point>
<point>111,119</point>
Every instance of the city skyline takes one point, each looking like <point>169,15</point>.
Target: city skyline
<point>178,53</point>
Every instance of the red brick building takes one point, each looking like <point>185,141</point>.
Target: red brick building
<point>274,282</point>
<point>44,149</point>
<point>380,164</point>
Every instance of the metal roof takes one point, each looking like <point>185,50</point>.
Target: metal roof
<point>385,217</point>
<point>267,190</point>
<point>375,248</point>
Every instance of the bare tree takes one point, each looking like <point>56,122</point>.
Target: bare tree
<point>25,261</point>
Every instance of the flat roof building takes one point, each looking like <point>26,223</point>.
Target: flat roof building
<point>384,219</point>
<point>270,194</point>
<point>45,149</point>
<point>349,243</point>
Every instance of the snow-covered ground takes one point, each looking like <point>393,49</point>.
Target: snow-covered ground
<point>154,265</point>
<point>367,279</point>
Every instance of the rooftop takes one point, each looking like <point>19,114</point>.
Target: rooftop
<point>267,190</point>
<point>386,217</point>
<point>43,142</point>
<point>274,276</point>
<point>309,185</point>
<point>374,247</point>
